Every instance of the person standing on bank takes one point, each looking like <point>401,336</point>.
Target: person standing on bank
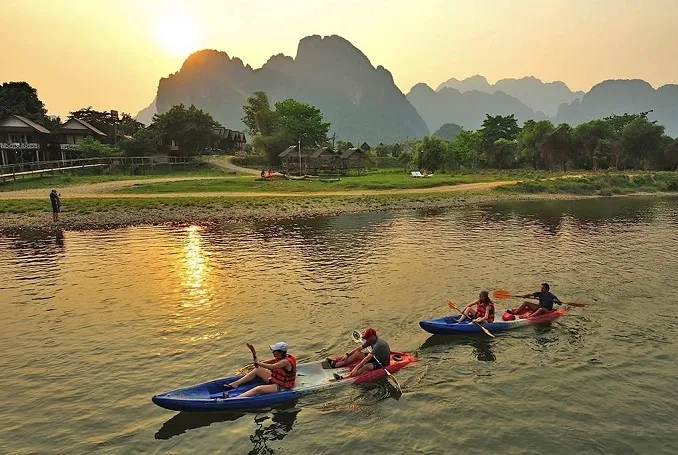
<point>55,199</point>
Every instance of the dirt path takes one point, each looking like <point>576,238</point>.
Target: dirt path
<point>226,162</point>
<point>106,190</point>
<point>93,189</point>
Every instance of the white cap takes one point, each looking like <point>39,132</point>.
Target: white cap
<point>279,346</point>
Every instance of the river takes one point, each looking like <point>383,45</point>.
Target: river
<point>96,322</point>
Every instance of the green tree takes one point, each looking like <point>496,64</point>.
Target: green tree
<point>91,148</point>
<point>592,141</point>
<point>107,123</point>
<point>641,140</point>
<point>191,129</point>
<point>557,147</point>
<point>143,143</point>
<point>297,121</point>
<point>433,153</point>
<point>19,98</point>
<point>671,154</point>
<point>259,118</point>
<point>531,138</point>
<point>495,128</point>
<point>467,148</point>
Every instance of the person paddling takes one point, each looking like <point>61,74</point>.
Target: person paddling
<point>484,309</point>
<point>546,301</point>
<point>380,357</point>
<point>278,374</point>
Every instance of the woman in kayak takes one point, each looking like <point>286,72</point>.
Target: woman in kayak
<point>278,373</point>
<point>546,301</point>
<point>380,357</point>
<point>484,309</point>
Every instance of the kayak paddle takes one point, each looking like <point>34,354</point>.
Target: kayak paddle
<point>358,339</point>
<point>503,294</point>
<point>450,303</point>
<point>254,353</point>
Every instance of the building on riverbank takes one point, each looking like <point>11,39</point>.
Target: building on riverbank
<point>68,135</point>
<point>325,159</point>
<point>23,140</point>
<point>353,158</point>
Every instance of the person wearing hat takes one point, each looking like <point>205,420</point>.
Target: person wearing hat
<point>484,309</point>
<point>278,374</point>
<point>380,357</point>
<point>546,301</point>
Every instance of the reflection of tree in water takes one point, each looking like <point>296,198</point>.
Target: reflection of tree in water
<point>270,426</point>
<point>329,244</point>
<point>585,212</point>
<point>281,423</point>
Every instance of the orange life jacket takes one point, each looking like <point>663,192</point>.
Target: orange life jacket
<point>284,378</point>
<point>483,308</point>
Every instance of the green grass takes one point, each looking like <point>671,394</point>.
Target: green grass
<point>384,179</point>
<point>600,184</point>
<point>87,176</point>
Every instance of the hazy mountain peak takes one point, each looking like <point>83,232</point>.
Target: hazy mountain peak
<point>361,101</point>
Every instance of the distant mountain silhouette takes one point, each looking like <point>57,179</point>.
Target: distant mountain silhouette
<point>621,97</point>
<point>466,109</point>
<point>448,131</point>
<point>540,96</point>
<point>145,115</point>
<point>362,102</point>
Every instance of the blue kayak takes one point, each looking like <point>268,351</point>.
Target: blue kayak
<point>448,325</point>
<point>311,377</point>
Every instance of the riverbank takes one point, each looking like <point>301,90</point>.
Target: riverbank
<point>114,204</point>
<point>85,214</point>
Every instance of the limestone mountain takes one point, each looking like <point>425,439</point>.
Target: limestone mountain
<point>362,102</point>
<point>145,115</point>
<point>467,109</point>
<point>540,96</point>
<point>621,97</point>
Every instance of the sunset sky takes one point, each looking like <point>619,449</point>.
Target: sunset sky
<point>111,54</point>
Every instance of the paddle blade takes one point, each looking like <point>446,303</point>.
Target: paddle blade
<point>356,336</point>
<point>450,304</point>
<point>577,304</point>
<point>254,353</point>
<point>486,331</point>
<point>501,294</point>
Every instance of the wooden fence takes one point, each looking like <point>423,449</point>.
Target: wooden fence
<point>12,171</point>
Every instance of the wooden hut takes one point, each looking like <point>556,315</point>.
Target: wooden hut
<point>353,158</point>
<point>324,159</point>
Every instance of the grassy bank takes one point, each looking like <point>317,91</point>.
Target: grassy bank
<point>386,179</point>
<point>99,175</point>
<point>599,185</point>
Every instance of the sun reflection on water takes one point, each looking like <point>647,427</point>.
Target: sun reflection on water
<point>195,269</point>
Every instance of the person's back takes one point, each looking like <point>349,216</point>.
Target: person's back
<point>382,352</point>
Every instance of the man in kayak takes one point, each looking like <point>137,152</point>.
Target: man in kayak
<point>484,309</point>
<point>278,373</point>
<point>546,301</point>
<point>380,357</point>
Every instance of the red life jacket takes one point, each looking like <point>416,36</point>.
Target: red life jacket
<point>484,308</point>
<point>284,378</point>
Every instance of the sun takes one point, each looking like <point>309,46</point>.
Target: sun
<point>177,34</point>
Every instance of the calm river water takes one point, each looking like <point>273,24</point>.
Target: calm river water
<point>95,323</point>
